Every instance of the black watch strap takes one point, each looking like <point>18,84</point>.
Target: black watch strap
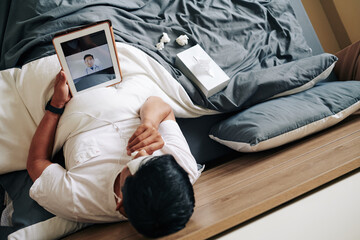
<point>54,109</point>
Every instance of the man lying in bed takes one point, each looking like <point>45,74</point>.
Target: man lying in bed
<point>102,184</point>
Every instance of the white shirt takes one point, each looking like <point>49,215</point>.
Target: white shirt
<point>94,68</point>
<point>84,191</point>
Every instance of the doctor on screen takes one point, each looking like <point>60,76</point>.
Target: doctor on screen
<point>91,67</point>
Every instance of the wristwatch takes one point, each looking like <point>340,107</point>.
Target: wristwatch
<point>52,109</point>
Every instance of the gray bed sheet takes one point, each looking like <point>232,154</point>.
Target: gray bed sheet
<point>236,35</point>
<point>241,36</point>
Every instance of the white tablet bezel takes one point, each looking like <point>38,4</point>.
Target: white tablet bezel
<point>81,32</point>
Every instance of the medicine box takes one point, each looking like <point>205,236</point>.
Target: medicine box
<point>198,66</point>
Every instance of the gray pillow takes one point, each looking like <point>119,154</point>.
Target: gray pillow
<point>246,89</point>
<point>282,120</point>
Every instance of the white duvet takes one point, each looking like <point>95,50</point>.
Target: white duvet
<point>24,93</point>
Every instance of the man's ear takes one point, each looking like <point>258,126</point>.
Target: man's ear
<point>119,205</point>
<point>120,208</point>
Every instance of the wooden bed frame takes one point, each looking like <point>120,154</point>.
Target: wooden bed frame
<point>243,186</point>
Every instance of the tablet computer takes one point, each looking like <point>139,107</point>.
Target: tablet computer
<point>88,57</point>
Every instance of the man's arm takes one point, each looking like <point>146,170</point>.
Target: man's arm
<point>41,146</point>
<point>146,136</point>
<point>154,111</point>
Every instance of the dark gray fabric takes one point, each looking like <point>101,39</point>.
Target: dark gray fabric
<point>241,36</point>
<point>5,231</point>
<point>276,117</point>
<point>2,198</point>
<point>26,211</point>
<point>255,86</point>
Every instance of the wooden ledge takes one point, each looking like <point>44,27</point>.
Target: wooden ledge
<point>251,184</point>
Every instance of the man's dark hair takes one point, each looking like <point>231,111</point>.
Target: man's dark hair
<point>88,55</point>
<point>159,199</point>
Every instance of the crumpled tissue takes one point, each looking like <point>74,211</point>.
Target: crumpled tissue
<point>182,40</point>
<point>164,39</point>
<point>160,46</point>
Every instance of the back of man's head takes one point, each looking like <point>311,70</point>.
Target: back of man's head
<point>159,199</point>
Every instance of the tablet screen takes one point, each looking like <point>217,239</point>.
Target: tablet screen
<point>88,56</point>
<point>89,60</point>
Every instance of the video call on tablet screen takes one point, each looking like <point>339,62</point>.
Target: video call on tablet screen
<point>89,60</point>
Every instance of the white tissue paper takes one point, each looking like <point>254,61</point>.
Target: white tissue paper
<point>182,40</point>
<point>160,46</point>
<point>165,38</point>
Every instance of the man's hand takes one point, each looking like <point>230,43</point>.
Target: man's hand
<point>146,137</point>
<point>61,91</point>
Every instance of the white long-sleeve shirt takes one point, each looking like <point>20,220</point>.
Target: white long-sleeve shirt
<point>84,190</point>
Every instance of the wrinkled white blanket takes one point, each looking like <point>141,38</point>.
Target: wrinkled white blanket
<point>24,93</point>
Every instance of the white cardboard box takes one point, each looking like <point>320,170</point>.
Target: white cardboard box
<point>197,65</point>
